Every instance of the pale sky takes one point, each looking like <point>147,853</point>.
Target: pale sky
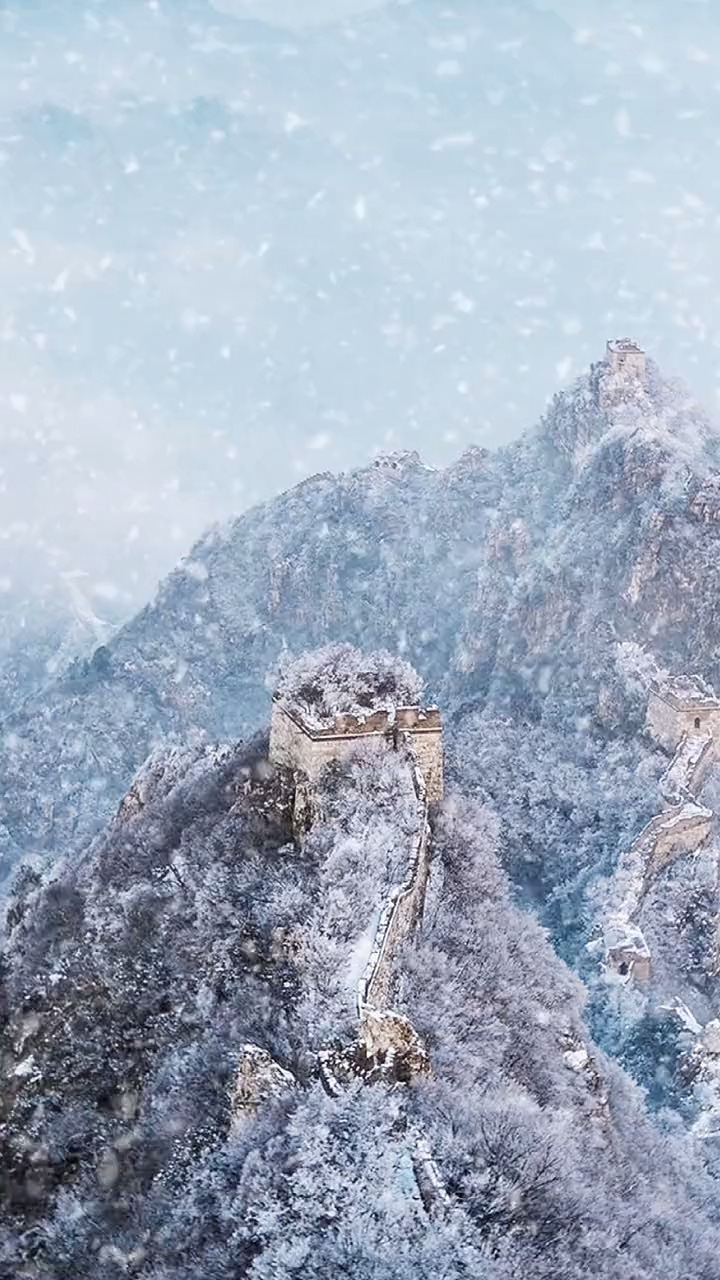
<point>246,240</point>
<point>296,13</point>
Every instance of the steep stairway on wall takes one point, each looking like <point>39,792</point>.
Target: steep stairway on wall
<point>681,828</point>
<point>383,1032</point>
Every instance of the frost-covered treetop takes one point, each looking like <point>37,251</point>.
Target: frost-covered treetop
<point>339,679</point>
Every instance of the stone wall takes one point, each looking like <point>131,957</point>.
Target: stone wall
<point>679,829</point>
<point>428,751</point>
<point>399,918</point>
<point>298,747</point>
<point>292,746</point>
<point>419,735</point>
<point>689,766</point>
<point>683,830</point>
<point>669,720</point>
<point>384,1035</point>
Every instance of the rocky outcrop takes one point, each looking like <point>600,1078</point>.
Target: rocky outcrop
<point>257,1079</point>
<point>704,500</point>
<point>390,1040</point>
<point>578,1059</point>
<point>701,1067</point>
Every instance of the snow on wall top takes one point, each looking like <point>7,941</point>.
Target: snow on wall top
<point>621,934</point>
<point>340,680</point>
<point>686,690</point>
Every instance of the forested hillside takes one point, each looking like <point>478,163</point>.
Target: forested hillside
<point>531,587</point>
<point>136,976</point>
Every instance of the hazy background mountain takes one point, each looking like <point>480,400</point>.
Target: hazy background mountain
<point>244,239</point>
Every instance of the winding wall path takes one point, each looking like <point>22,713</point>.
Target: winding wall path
<point>680,828</point>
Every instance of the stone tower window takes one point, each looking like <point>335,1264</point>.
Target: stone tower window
<point>697,722</point>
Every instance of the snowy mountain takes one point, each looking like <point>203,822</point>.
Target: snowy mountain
<point>515,581</point>
<point>202,936</point>
<point>40,636</point>
<point>509,579</point>
<point>168,998</point>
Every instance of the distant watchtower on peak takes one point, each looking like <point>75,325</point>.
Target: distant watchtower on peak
<point>625,371</point>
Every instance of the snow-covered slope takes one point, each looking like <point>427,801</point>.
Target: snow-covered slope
<point>198,936</point>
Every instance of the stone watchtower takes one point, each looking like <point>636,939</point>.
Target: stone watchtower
<point>625,372</point>
<point>682,706</point>
<point>296,744</point>
<point>327,714</point>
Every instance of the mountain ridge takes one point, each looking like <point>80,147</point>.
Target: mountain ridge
<point>534,589</point>
<point>472,571</point>
<point>198,937</point>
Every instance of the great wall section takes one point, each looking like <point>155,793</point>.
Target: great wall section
<point>384,1034</point>
<point>400,916</point>
<point>683,715</point>
<point>382,1031</point>
<point>390,1047</point>
<point>307,748</point>
<point>387,1043</point>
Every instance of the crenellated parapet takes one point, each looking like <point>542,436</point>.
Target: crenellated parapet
<point>298,744</point>
<point>681,706</point>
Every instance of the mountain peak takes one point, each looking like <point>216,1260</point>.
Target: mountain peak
<point>626,398</point>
